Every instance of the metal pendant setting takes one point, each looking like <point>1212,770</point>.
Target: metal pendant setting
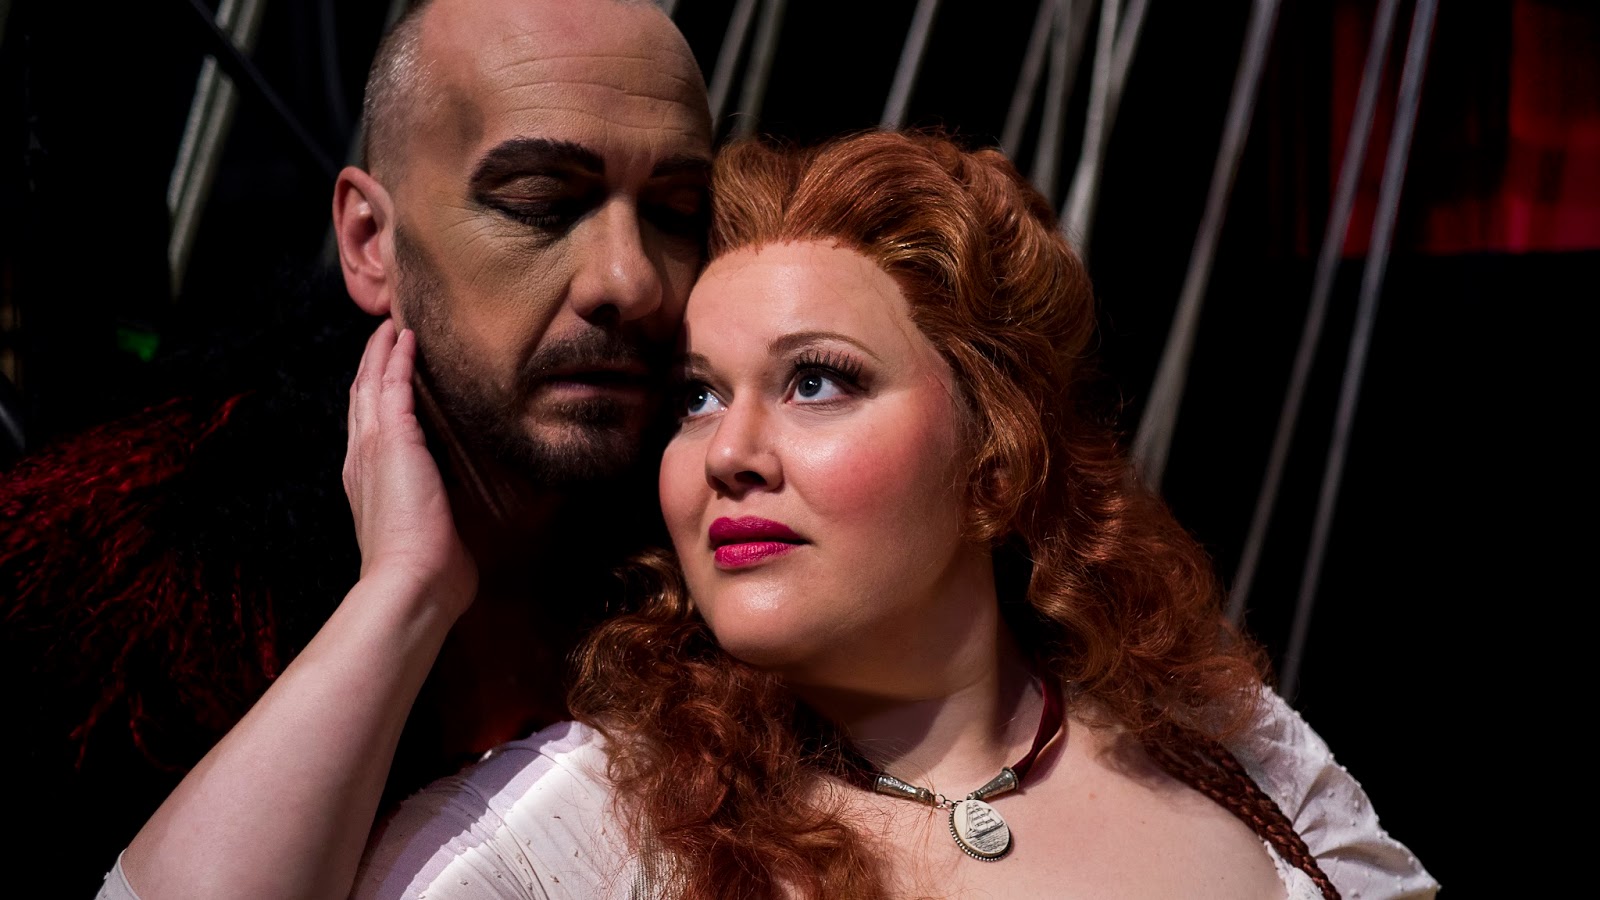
<point>976,827</point>
<point>979,830</point>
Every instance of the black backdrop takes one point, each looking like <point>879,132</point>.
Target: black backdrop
<point>1443,556</point>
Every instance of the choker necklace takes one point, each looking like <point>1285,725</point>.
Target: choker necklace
<point>978,828</point>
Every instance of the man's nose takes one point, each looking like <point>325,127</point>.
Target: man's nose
<point>616,280</point>
<point>740,457</point>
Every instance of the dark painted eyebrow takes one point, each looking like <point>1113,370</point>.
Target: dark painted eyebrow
<point>519,156</point>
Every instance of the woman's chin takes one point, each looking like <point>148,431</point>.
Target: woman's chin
<point>768,649</point>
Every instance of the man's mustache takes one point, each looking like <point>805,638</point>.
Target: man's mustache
<point>599,350</point>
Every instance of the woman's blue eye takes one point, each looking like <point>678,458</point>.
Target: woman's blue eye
<point>699,400</point>
<point>817,385</point>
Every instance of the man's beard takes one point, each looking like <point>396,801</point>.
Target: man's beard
<point>598,441</point>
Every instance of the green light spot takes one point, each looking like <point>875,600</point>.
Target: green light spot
<point>138,342</point>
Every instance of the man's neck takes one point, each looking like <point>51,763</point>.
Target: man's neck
<point>501,672</point>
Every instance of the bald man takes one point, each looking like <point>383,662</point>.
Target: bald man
<point>531,209</point>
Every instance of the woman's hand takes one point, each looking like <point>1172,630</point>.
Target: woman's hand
<point>402,512</point>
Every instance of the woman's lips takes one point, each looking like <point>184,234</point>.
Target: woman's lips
<point>749,539</point>
<point>734,556</point>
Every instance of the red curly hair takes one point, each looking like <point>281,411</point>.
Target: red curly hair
<point>1098,581</point>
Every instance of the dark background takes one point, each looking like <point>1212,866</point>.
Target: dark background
<point>1443,561</point>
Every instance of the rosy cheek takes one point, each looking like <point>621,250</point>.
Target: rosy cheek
<point>888,473</point>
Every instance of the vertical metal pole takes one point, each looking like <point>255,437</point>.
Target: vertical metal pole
<point>1119,35</point>
<point>728,58</point>
<point>1122,59</point>
<point>1073,219</point>
<point>759,68</point>
<point>1333,237</point>
<point>1394,171</point>
<point>1154,438</point>
<point>200,149</point>
<point>1028,75</point>
<point>905,74</point>
<point>1071,25</point>
<point>1072,30</point>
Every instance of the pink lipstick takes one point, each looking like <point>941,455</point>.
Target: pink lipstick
<point>748,540</point>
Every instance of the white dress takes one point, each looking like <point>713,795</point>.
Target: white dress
<point>532,821</point>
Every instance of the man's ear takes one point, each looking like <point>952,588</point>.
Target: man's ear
<point>363,223</point>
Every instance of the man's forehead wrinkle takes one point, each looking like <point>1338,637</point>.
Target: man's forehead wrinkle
<point>651,87</point>
<point>587,110</point>
<point>656,48</point>
<point>656,35</point>
<point>690,133</point>
<point>649,64</point>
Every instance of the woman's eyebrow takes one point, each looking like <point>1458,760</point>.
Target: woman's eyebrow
<point>798,340</point>
<point>782,345</point>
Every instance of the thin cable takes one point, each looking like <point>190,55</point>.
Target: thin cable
<point>245,74</point>
<point>1094,122</point>
<point>1153,440</point>
<point>1394,171</point>
<point>1333,237</point>
<point>905,74</point>
<point>1028,75</point>
<point>200,149</point>
<point>728,58</point>
<point>1052,119</point>
<point>759,69</point>
<point>1066,50</point>
<point>1113,57</point>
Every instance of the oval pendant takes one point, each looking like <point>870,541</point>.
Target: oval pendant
<point>979,830</point>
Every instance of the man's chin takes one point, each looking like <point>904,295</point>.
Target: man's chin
<point>562,454</point>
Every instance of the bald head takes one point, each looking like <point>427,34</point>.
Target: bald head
<point>395,87</point>
<point>534,200</point>
<point>408,83</point>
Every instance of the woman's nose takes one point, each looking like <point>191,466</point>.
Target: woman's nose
<point>741,456</point>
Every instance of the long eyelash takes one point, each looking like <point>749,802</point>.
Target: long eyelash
<point>846,368</point>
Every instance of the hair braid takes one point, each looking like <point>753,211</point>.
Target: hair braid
<point>1211,769</point>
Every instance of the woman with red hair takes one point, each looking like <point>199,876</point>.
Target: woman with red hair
<point>921,616</point>
<point>922,632</point>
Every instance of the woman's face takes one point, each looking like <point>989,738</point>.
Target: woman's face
<point>812,487</point>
